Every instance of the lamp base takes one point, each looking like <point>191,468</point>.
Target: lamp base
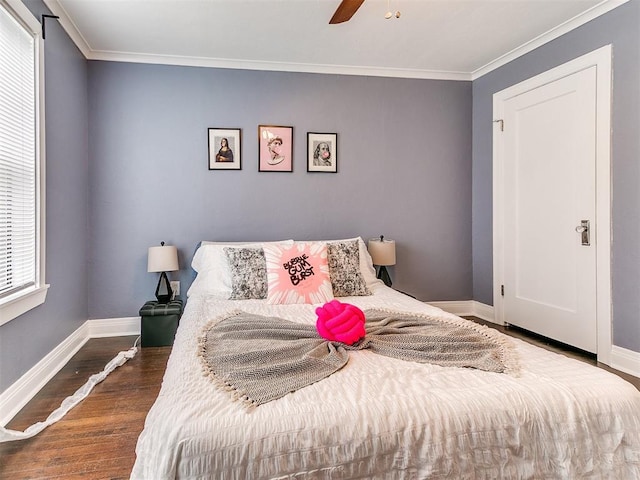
<point>163,290</point>
<point>384,275</point>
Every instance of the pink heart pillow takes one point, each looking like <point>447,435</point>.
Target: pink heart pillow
<point>340,322</point>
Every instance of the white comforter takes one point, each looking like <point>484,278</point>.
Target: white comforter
<point>380,417</point>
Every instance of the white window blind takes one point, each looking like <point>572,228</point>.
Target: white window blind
<point>18,159</point>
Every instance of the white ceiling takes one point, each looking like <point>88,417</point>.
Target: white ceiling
<point>449,39</point>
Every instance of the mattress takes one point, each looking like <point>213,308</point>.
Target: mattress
<point>380,417</point>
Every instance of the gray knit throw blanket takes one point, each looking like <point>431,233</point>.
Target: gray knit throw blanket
<point>258,359</point>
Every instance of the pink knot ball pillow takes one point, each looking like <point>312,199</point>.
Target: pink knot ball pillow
<point>340,322</point>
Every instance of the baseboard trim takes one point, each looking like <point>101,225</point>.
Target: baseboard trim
<point>485,312</point>
<point>626,361</point>
<point>468,308</point>
<point>622,359</point>
<point>14,398</point>
<point>114,327</point>
<point>460,308</point>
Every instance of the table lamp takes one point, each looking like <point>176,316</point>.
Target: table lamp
<point>383,254</point>
<point>163,259</point>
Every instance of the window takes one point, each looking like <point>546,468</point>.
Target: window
<point>21,194</point>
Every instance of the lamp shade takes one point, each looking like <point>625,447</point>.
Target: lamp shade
<point>382,251</point>
<point>162,259</point>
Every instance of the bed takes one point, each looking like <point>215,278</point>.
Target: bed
<point>545,416</point>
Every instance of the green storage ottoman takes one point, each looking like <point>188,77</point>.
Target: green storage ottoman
<point>159,322</point>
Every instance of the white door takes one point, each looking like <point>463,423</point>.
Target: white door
<point>549,175</point>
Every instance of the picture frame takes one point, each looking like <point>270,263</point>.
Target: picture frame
<point>322,152</point>
<point>275,148</point>
<point>221,158</point>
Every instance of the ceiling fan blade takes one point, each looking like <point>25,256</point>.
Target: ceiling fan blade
<point>345,11</point>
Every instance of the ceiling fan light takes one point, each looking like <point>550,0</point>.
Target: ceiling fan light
<point>398,14</point>
<point>388,15</point>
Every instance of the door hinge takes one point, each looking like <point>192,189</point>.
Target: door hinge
<point>501,122</point>
<point>502,290</point>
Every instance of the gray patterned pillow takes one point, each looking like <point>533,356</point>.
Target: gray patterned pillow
<point>344,270</point>
<point>248,273</point>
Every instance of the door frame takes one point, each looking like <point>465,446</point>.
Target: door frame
<point>601,59</point>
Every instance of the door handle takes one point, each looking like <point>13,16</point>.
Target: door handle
<point>584,229</point>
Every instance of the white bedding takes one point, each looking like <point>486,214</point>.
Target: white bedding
<point>380,417</point>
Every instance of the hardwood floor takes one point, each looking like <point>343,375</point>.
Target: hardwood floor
<point>557,347</point>
<point>97,439</point>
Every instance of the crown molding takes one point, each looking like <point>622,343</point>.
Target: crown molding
<point>69,27</point>
<point>128,57</point>
<point>278,66</point>
<point>90,54</point>
<point>577,21</point>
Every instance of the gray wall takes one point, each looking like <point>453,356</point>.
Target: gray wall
<point>621,28</point>
<point>26,340</point>
<point>404,170</point>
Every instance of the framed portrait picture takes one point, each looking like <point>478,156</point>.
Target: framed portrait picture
<point>322,152</point>
<point>275,148</point>
<point>225,149</point>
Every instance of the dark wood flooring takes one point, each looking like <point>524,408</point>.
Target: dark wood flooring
<point>97,439</point>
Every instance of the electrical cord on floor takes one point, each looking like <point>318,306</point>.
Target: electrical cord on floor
<point>68,403</point>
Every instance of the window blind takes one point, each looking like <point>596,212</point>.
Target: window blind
<point>18,159</point>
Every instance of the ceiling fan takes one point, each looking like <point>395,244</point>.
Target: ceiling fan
<point>345,11</point>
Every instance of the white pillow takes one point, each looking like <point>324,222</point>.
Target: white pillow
<point>214,274</point>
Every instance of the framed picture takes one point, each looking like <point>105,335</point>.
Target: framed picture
<point>322,152</point>
<point>225,149</point>
<point>275,148</point>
